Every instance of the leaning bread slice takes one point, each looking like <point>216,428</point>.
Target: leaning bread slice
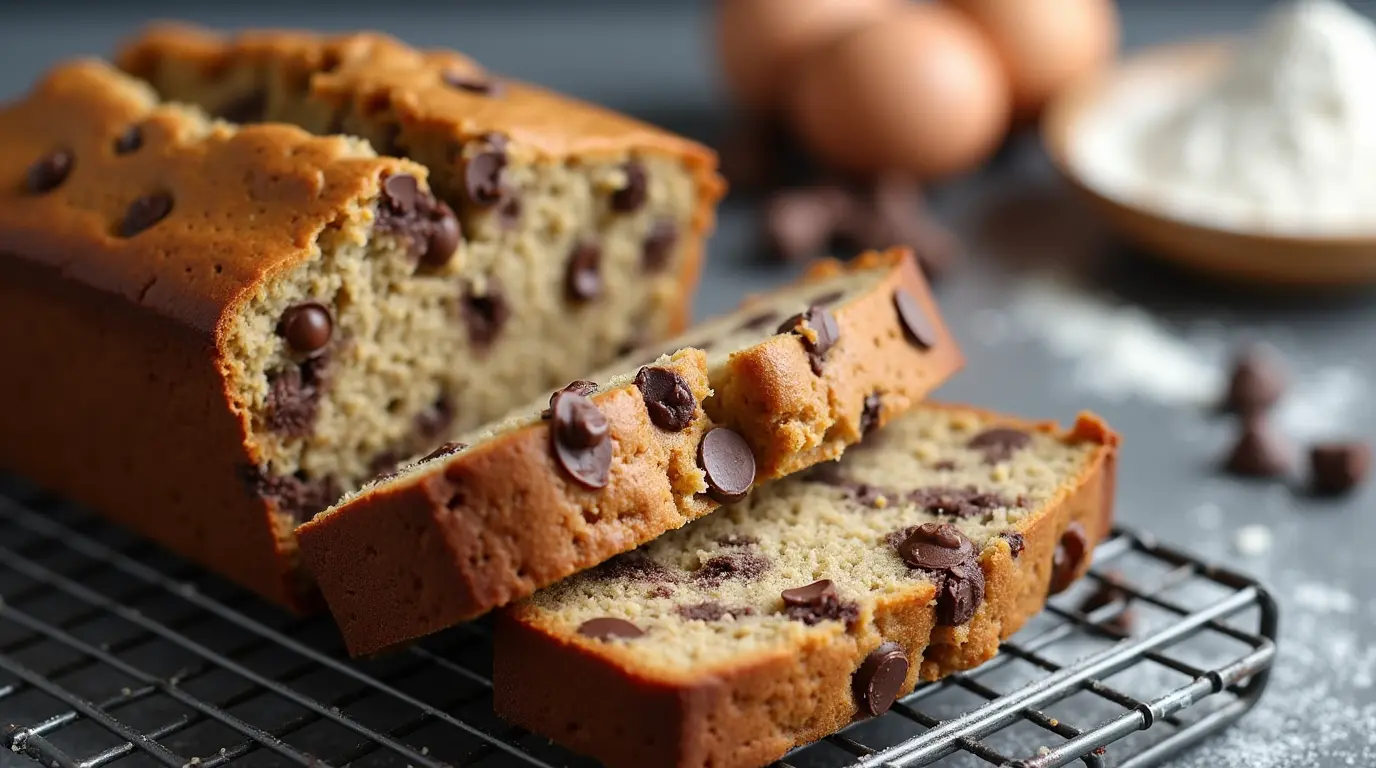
<point>805,370</point>
<point>817,599</point>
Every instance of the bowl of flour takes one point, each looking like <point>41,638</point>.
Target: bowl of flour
<point>1253,158</point>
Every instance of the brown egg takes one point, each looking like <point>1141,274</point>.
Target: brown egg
<point>760,41</point>
<point>1045,44</point>
<point>921,91</point>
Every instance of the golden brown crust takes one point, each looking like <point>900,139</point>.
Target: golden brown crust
<point>794,418</point>
<point>120,341</point>
<point>748,714</point>
<point>491,525</point>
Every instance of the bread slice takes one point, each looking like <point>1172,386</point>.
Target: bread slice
<point>796,375</point>
<point>818,599</point>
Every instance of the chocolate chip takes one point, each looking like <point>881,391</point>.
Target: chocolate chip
<point>429,224</point>
<point>485,175</point>
<point>760,321</point>
<point>610,629</point>
<point>1336,468</point>
<point>578,387</point>
<point>144,212</point>
<point>958,502</point>
<point>1070,553</point>
<point>583,278</point>
<point>1256,383</point>
<point>636,566</point>
<point>485,315</point>
<point>668,398</point>
<point>448,449</point>
<point>726,459</point>
<point>818,602</point>
<point>812,594</point>
<point>935,547</point>
<point>999,443</point>
<point>800,223</point>
<point>579,439</point>
<point>49,171</point>
<point>1259,452</point>
<point>248,108</point>
<point>880,678</point>
<point>632,197</point>
<point>442,240</point>
<point>129,140</point>
<point>483,86</point>
<point>740,565</point>
<point>1016,542</point>
<point>959,594</point>
<point>435,420</point>
<point>307,327</point>
<point>916,324</point>
<point>296,495</point>
<point>658,245</point>
<point>293,399</point>
<point>819,333</point>
<point>869,415</point>
<point>712,611</point>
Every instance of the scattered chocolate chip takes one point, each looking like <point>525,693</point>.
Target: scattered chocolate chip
<point>578,387</point>
<point>1070,553</point>
<point>916,324</point>
<point>1259,452</point>
<point>737,540</point>
<point>1016,542</point>
<point>1256,383</point>
<point>448,449</point>
<point>442,239</point>
<point>760,321</point>
<point>483,86</point>
<point>819,333</point>
<point>658,246</point>
<point>636,566</point>
<point>129,140</point>
<point>869,416</point>
<point>739,564</point>
<point>435,420</point>
<point>583,278</point>
<point>818,602</point>
<point>485,315</point>
<point>610,629</point>
<point>812,594</point>
<point>248,108</point>
<point>307,327</point>
<point>580,441</point>
<point>49,171</point>
<point>958,502</point>
<point>485,175</point>
<point>296,495</point>
<point>712,611</point>
<point>293,399</point>
<point>668,398</point>
<point>1000,443</point>
<point>892,212</point>
<point>959,594</point>
<point>632,197</point>
<point>800,223</point>
<point>432,229</point>
<point>726,459</point>
<point>880,678</point>
<point>935,547</point>
<point>144,212</point>
<point>1336,468</point>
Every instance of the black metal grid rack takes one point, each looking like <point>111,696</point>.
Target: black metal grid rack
<point>114,653</point>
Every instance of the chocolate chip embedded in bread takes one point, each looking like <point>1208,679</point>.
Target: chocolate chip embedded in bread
<point>485,315</point>
<point>935,547</point>
<point>429,224</point>
<point>307,327</point>
<point>129,140</point>
<point>481,85</point>
<point>1256,383</point>
<point>448,449</point>
<point>668,398</point>
<point>958,502</point>
<point>293,399</point>
<point>818,602</point>
<point>632,196</point>
<point>144,212</point>
<point>999,443</point>
<point>49,171</point>
<point>916,325</point>
<point>442,236</point>
<point>583,278</point>
<point>610,629</point>
<point>1259,452</point>
<point>812,594</point>
<point>740,564</point>
<point>658,245</point>
<point>1016,542</point>
<point>578,387</point>
<point>1070,553</point>
<point>869,415</point>
<point>959,594</point>
<point>880,678</point>
<point>1337,468</point>
<point>727,461</point>
<point>580,439</point>
<point>819,332</point>
<point>297,495</point>
<point>484,175</point>
<point>637,566</point>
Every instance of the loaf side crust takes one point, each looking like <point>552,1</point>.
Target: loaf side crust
<point>734,715</point>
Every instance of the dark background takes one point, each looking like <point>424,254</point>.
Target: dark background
<point>652,58</point>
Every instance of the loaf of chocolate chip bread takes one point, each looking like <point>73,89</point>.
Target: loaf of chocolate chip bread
<point>581,229</point>
<point>816,600</point>
<point>797,375</point>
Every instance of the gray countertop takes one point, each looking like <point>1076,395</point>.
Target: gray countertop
<point>1054,314</point>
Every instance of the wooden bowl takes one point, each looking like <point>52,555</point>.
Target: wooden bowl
<point>1264,258</point>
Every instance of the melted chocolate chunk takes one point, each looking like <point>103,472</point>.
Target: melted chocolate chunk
<point>610,629</point>
<point>712,611</point>
<point>668,398</point>
<point>296,495</point>
<point>485,315</point>
<point>484,175</point>
<point>429,225</point>
<point>741,564</point>
<point>935,547</point>
<point>825,334</point>
<point>959,594</point>
<point>632,197</point>
<point>636,566</point>
<point>129,140</point>
<point>913,317</point>
<point>880,678</point>
<point>293,399</point>
<point>1070,553</point>
<point>1016,542</point>
<point>658,246</point>
<point>583,278</point>
<point>869,416</point>
<point>144,212</point>
<point>959,502</point>
<point>49,171</point>
<point>726,459</point>
<point>307,327</point>
<point>1000,443</point>
<point>580,440</point>
<point>818,602</point>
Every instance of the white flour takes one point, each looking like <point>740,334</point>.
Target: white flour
<point>1284,140</point>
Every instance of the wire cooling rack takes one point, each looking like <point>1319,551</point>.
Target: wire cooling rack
<point>114,653</point>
